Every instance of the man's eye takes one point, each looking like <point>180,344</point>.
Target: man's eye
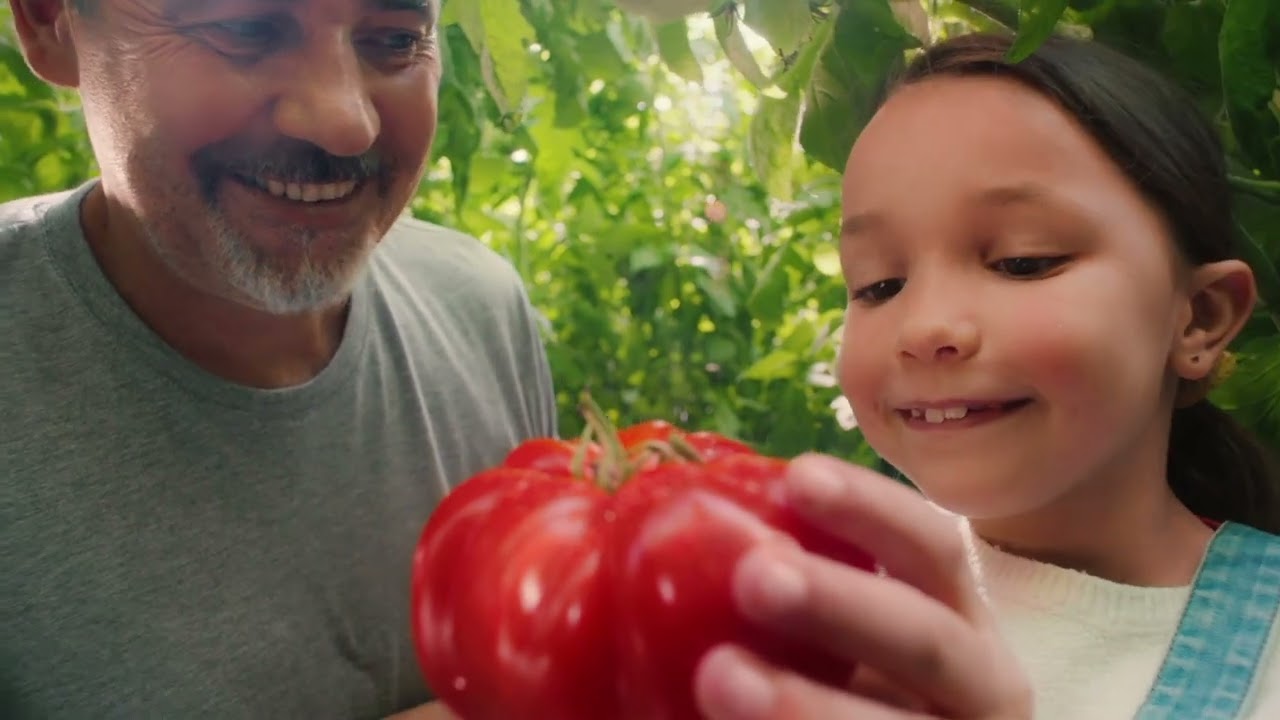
<point>878,292</point>
<point>1027,267</point>
<point>246,37</point>
<point>397,43</point>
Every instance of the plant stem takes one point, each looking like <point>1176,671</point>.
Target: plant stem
<point>522,260</point>
<point>996,10</point>
<point>1265,189</point>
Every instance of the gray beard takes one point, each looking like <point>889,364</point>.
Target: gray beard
<point>256,282</point>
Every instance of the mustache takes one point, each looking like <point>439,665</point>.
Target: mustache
<point>288,161</point>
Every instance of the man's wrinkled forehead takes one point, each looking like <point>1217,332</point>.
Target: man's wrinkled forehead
<point>427,8</point>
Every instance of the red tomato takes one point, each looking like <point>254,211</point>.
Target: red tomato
<point>537,594</point>
<point>553,456</point>
<point>708,445</point>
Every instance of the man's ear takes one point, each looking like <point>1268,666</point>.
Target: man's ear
<point>44,29</point>
<point>1222,297</point>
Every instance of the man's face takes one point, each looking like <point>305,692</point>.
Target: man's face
<point>265,146</point>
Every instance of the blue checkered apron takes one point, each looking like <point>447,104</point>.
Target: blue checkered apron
<point>1225,630</point>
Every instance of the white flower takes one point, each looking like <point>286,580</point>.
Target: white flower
<point>820,375</point>
<point>844,413</point>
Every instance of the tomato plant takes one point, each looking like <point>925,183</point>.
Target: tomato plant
<point>582,580</point>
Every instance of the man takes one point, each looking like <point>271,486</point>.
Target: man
<point>236,380</point>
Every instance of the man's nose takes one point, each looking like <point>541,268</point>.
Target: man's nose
<point>327,101</point>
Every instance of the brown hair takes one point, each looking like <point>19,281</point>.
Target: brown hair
<point>1156,134</point>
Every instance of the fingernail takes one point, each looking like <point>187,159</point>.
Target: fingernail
<point>747,693</point>
<point>813,483</point>
<point>769,585</point>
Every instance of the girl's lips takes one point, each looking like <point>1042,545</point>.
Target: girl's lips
<point>958,413</point>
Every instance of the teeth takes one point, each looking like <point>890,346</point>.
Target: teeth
<point>937,415</point>
<point>307,192</point>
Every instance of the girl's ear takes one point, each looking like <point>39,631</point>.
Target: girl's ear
<point>1221,299</point>
<point>44,31</point>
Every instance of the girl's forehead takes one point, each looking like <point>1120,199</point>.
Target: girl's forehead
<point>976,142</point>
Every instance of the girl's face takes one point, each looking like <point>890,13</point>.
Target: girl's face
<point>1014,301</point>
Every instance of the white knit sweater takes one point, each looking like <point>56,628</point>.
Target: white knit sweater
<point>1092,647</point>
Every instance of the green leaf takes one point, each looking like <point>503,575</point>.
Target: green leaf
<point>771,138</point>
<point>718,295</point>
<point>767,302</point>
<point>784,23</point>
<point>567,81</point>
<point>726,420</point>
<point>1036,22</point>
<point>1247,53</point>
<point>912,16</point>
<point>776,365</point>
<point>721,349</point>
<point>865,46</point>
<point>735,49</point>
<point>459,136</point>
<point>646,257</point>
<point>1190,37</point>
<point>601,58</point>
<point>795,433</point>
<point>1253,219</point>
<point>675,50</point>
<point>499,33</point>
<point>33,87</point>
<point>1252,392</point>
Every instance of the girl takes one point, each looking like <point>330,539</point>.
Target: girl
<point>1041,284</point>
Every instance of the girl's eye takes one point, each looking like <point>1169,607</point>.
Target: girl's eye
<point>1027,267</point>
<point>878,291</point>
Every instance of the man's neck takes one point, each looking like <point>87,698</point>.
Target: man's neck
<point>227,339</point>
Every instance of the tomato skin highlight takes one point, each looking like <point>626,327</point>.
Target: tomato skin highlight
<point>537,593</point>
<point>508,598</point>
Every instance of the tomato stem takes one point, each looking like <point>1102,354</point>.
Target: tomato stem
<point>614,468</point>
<point>578,465</point>
<point>617,464</point>
<point>673,448</point>
<point>684,449</point>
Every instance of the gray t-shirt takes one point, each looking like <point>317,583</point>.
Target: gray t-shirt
<point>175,546</point>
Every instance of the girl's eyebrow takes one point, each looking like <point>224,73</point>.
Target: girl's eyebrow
<point>860,222</point>
<point>1025,193</point>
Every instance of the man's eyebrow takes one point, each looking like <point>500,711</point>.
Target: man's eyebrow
<point>425,8</point>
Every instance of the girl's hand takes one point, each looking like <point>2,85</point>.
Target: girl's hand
<point>923,638</point>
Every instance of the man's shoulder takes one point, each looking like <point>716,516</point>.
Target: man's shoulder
<point>430,257</point>
<point>22,213</point>
<point>25,226</point>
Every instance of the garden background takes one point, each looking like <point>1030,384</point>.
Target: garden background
<point>663,174</point>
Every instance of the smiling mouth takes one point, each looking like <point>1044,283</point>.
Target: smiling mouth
<point>939,415</point>
<point>301,192</point>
